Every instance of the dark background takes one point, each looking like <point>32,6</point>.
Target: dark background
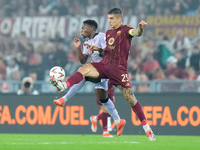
<point>88,101</point>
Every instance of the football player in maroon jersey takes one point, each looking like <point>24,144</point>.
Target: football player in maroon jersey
<point>114,67</point>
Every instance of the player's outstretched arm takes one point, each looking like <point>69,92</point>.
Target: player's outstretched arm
<point>139,31</point>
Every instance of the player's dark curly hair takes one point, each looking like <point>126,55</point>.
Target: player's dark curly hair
<point>116,11</point>
<point>92,23</point>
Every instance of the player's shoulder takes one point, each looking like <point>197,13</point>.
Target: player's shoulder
<point>110,30</point>
<point>100,34</point>
<point>128,26</point>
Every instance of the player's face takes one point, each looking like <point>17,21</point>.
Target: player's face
<point>85,30</point>
<point>114,21</point>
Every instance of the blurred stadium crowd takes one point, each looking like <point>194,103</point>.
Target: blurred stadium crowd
<point>151,58</point>
<point>10,8</point>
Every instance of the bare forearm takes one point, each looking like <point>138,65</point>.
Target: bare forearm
<point>140,31</point>
<point>136,32</point>
<point>82,58</point>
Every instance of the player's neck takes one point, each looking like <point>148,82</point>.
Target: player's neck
<point>91,35</point>
<point>118,26</point>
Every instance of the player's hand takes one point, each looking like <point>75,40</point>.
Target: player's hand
<point>87,45</point>
<point>93,48</point>
<point>142,24</point>
<point>77,42</point>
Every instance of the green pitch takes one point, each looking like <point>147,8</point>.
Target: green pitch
<point>96,142</point>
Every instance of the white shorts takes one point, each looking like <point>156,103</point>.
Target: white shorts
<point>102,85</point>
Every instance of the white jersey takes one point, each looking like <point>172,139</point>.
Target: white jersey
<point>98,40</point>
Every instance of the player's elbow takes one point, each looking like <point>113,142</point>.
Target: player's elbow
<point>83,61</point>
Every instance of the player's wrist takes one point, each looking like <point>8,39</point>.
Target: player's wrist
<point>140,31</point>
<point>98,52</point>
<point>78,48</point>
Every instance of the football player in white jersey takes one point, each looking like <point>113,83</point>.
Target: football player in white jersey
<point>102,87</point>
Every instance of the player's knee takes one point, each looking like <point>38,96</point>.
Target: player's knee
<point>102,95</point>
<point>104,100</point>
<point>83,71</point>
<point>132,102</point>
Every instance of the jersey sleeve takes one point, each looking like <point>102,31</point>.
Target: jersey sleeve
<point>128,28</point>
<point>101,40</point>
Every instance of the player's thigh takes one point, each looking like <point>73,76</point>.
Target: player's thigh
<point>128,94</point>
<point>101,93</point>
<point>89,71</point>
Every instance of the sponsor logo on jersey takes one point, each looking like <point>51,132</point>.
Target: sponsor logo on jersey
<point>111,47</point>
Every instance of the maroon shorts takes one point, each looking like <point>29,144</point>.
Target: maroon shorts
<point>114,74</point>
<point>111,94</point>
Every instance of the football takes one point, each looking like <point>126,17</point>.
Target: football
<point>58,73</point>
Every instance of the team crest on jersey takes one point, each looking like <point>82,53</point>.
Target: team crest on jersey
<point>111,41</point>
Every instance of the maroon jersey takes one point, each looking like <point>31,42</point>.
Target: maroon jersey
<point>118,42</point>
<point>114,63</point>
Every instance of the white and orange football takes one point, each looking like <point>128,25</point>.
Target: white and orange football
<point>57,73</point>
